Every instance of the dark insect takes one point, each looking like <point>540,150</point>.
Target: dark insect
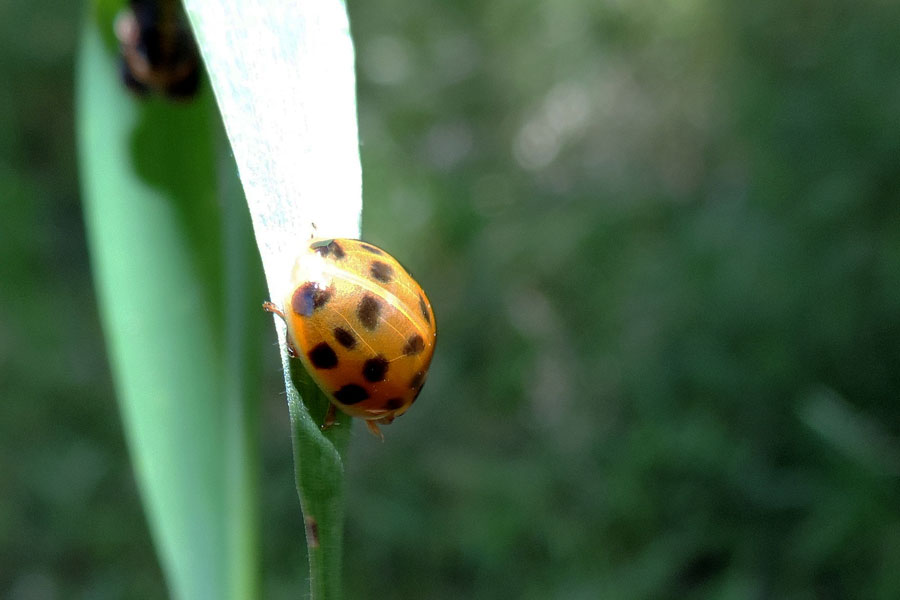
<point>159,54</point>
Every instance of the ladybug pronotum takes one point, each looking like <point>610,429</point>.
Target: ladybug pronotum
<point>362,327</point>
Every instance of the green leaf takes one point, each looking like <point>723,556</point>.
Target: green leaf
<point>283,76</point>
<point>171,270</point>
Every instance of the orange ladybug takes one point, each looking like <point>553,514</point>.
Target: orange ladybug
<point>362,326</point>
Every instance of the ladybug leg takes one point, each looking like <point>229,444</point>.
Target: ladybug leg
<point>373,428</point>
<point>329,417</point>
<point>270,307</point>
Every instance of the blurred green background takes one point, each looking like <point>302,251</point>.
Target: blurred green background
<point>663,245</point>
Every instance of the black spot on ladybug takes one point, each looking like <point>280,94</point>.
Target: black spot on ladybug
<point>351,394</point>
<point>382,271</point>
<point>309,297</point>
<point>370,248</point>
<point>418,391</point>
<point>328,248</point>
<point>394,403</point>
<point>368,311</point>
<point>424,308</point>
<point>414,345</point>
<point>375,369</point>
<point>418,381</point>
<point>344,338</point>
<point>323,357</point>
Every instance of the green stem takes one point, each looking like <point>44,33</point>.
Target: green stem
<point>319,472</point>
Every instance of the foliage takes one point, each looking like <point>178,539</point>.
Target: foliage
<point>662,245</point>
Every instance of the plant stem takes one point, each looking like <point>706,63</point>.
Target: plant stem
<point>319,473</point>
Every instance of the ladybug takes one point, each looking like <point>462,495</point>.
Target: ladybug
<point>158,49</point>
<point>362,327</point>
